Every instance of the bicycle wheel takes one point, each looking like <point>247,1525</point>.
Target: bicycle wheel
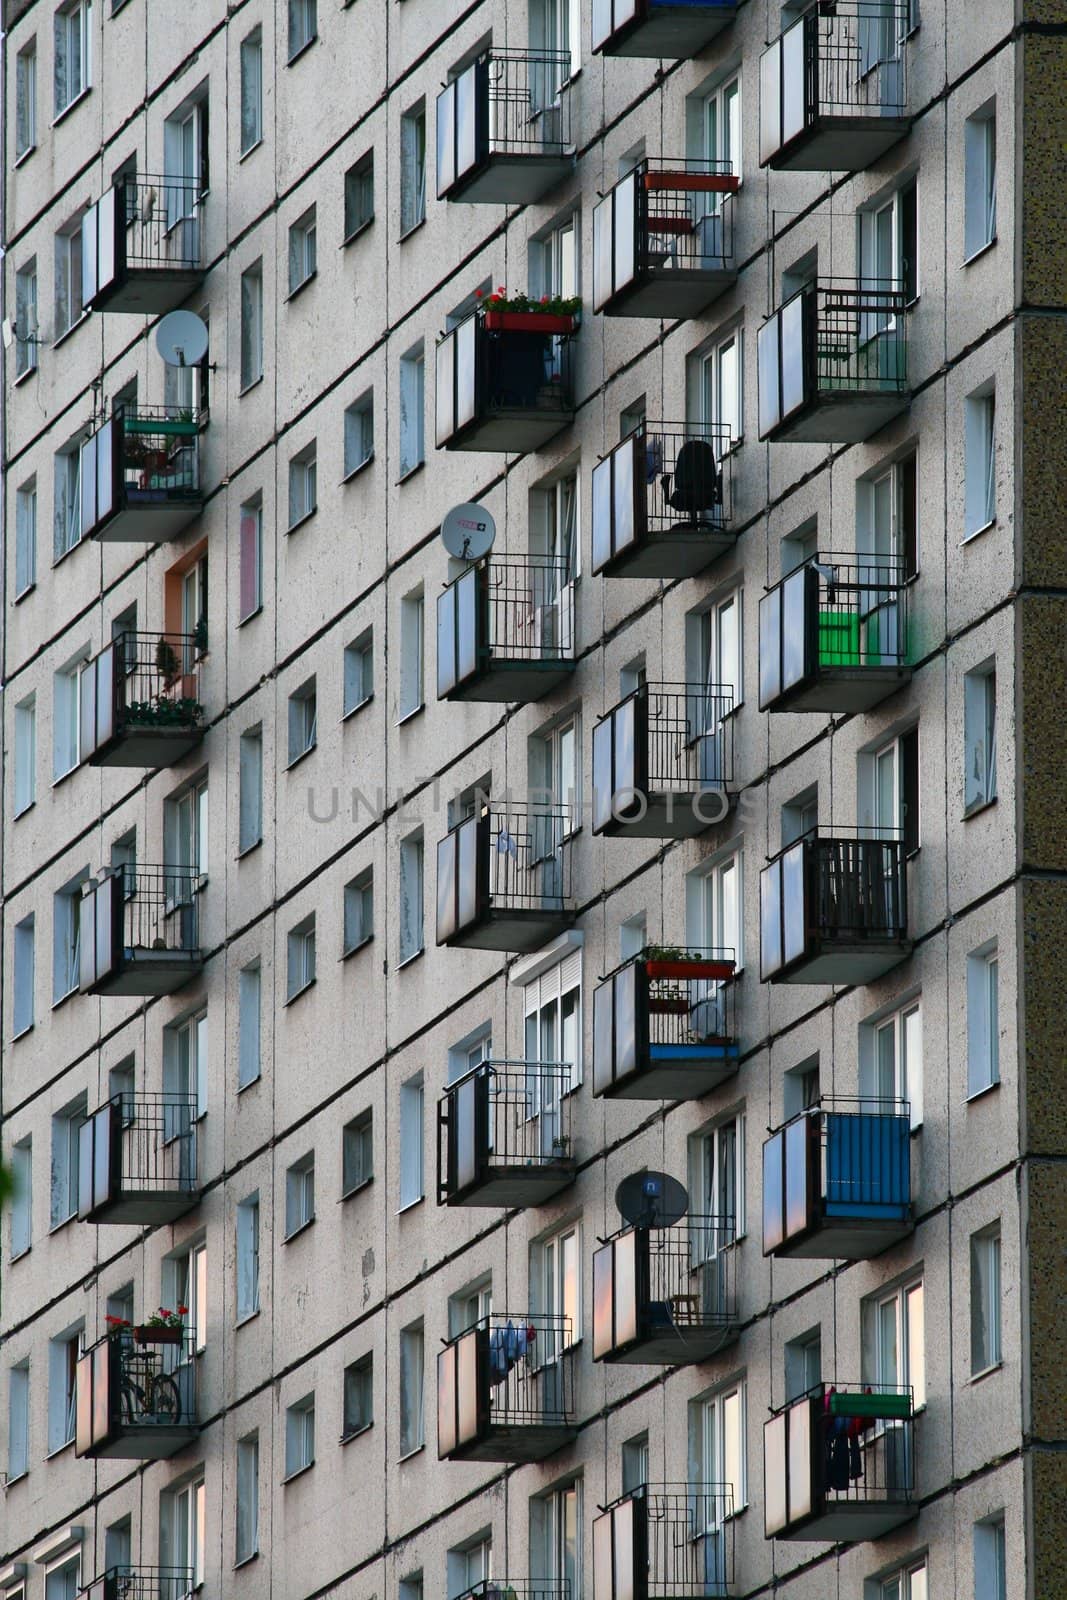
<point>166,1398</point>
<point>131,1402</point>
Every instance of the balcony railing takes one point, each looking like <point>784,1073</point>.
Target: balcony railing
<point>663,1026</point>
<point>505,630</point>
<point>136,1394</point>
<point>666,1296</point>
<point>518,1589</point>
<point>504,381</point>
<point>504,128</point>
<point>140,701</point>
<point>834,909</point>
<point>505,1389</point>
<point>504,878</point>
<point>665,1541</point>
<point>839,1463</point>
<point>140,931</point>
<point>141,248</point>
<point>833,635</point>
<point>662,501</point>
<point>833,87</point>
<point>140,475</point>
<point>833,362</point>
<point>663,761</point>
<point>667,30</point>
<point>141,1583</point>
<point>504,1135</point>
<point>663,240</point>
<point>837,1181</point>
<point>137,1160</point>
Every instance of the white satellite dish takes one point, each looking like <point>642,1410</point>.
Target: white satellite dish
<point>181,339</point>
<point>468,531</point>
<point>8,332</point>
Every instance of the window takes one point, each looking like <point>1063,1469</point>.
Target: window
<point>302,485</point>
<point>185,1063</point>
<point>887,515</point>
<point>63,1582</point>
<point>248,1257</point>
<point>25,754</point>
<point>714,901</point>
<point>979,737</point>
<point>63,1353</point>
<point>18,1421</point>
<point>302,250</point>
<point>410,1588</point>
<point>556,1283</point>
<point>555,769</point>
<point>358,672</point>
<point>23,975</point>
<point>717,1179</point>
<point>714,648</point>
<point>21,1197</point>
<point>717,403</point>
<point>718,1425</point>
<point>251,559</point>
<point>990,1559</point>
<point>250,808</point>
<point>980,180</point>
<point>907,1584</point>
<point>67,507</point>
<point>251,325</point>
<point>357,1153</point>
<point>303,721</point>
<point>471,1306</point>
<point>800,1088</point>
<point>554,259</point>
<point>359,195</point>
<point>411,654</point>
<point>68,278</point>
<point>359,910</point>
<point>470,1052</point>
<point>301,957</point>
<point>556,1538</point>
<point>185,829</point>
<point>469,1565</point>
<point>983,1019</point>
<point>412,1104</point>
<point>412,409</point>
<point>980,481</point>
<point>66,937</point>
<point>249,993</point>
<point>185,156</point>
<point>718,131</point>
<point>552,1012</point>
<point>358,1397</point>
<point>300,1194</point>
<point>118,1544</point>
<point>412,1364</point>
<point>251,90</point>
<point>66,713</point>
<point>412,168</point>
<point>555,25</point>
<point>411,896</point>
<point>73,53</point>
<point>124,862</point>
<point>803,1365</point>
<point>303,25</point>
<point>889,790</point>
<point>120,1086</point>
<point>891,1059</point>
<point>26,319</point>
<point>26,99</point>
<point>892,1327</point>
<point>888,251</point>
<point>246,1542</point>
<point>359,433</point>
<point>634,1463</point>
<point>985,1300</point>
<point>26,537</point>
<point>183,1529</point>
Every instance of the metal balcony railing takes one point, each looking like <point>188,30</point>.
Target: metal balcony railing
<point>665,1541</point>
<point>502,387</point>
<point>666,1294</point>
<point>508,1376</point>
<point>505,1124</point>
<point>505,613</point>
<point>140,930</point>
<point>663,500</point>
<point>137,1158</point>
<point>836,891</point>
<point>509,110</point>
<point>141,1583</point>
<point>663,238</point>
<point>136,1393</point>
<point>159,907</point>
<point>665,741</point>
<point>507,863</point>
<point>162,221</point>
<point>158,452</point>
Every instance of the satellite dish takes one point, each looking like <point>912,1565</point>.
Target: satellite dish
<point>652,1199</point>
<point>8,332</point>
<point>181,339</point>
<point>468,531</point>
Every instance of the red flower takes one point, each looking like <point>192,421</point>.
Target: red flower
<point>544,299</point>
<point>182,1310</point>
<point>478,294</point>
<point>501,289</point>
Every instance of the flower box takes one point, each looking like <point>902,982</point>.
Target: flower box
<point>147,1334</point>
<point>668,1005</point>
<point>689,969</point>
<point>528,322</point>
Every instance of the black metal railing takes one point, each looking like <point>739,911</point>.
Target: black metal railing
<point>528,110</point>
<point>141,1583</point>
<point>669,215</point>
<point>162,220</point>
<point>143,1146</point>
<point>157,678</point>
<point>663,479</point>
<point>484,368</point>
<point>663,739</point>
<point>507,858</point>
<point>135,1379</point>
<point>838,1446</point>
<point>159,908</point>
<point>504,1114</point>
<point>158,453</point>
<point>510,1370</point>
<point>665,1541</point>
<point>832,614</point>
<point>840,1159</point>
<point>650,1282</point>
<point>504,610</point>
<point>846,887</point>
<point>518,1589</point>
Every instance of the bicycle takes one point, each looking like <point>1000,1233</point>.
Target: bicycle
<point>156,1396</point>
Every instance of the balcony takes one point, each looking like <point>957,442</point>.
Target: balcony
<point>667,30</point>
<point>141,1583</point>
<point>837,1181</point>
<point>663,240</point>
<point>504,1135</point>
<point>504,381</point>
<point>505,1389</point>
<point>662,502</point>
<point>833,363</point>
<point>833,87</point>
<point>504,128</point>
<point>838,1464</point>
<point>833,636</point>
<point>140,475</point>
<point>140,701</point>
<point>665,1541</point>
<point>663,1026</point>
<point>518,1589</point>
<point>141,246</point>
<point>137,1160</point>
<point>665,1296</point>
<point>505,630</point>
<point>136,1395</point>
<point>504,879</point>
<point>663,762</point>
<point>834,909</point>
<point>139,931</point>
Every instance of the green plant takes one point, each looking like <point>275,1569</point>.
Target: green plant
<point>200,636</point>
<point>670,952</point>
<point>164,711</point>
<point>167,663</point>
<point>166,1319</point>
<point>550,305</point>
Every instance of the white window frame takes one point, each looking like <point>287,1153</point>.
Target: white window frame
<point>990,1559</point>
<point>303,251</point>
<point>359,181</point>
<point>979,737</point>
<point>25,774</point>
<point>412,168</point>
<point>980,181</point>
<point>720,1425</point>
<point>183,1530</point>
<point>68,278</point>
<point>299,1436</point>
<point>357,1396</point>
<point>891,1057</point>
<point>26,345</point>
<point>358,911</point>
<point>909,1583</point>
<point>412,654</point>
<point>556,1536</point>
<point>553,1017</point>
<point>18,1420</point>
<point>66,938</point>
<point>412,1390</point>
<point>247,1247</point>
<point>24,975</point>
<point>67,506</point>
<point>300,1195</point>
<point>357,1153</point>
<point>983,1020</point>
<point>246,1531</point>
<point>719,398</point>
<point>556,1284</point>
<point>412,381</point>
<point>303,485</point>
<point>249,1024</point>
<point>722,129</point>
<point>715,900</point>
<point>251,91</point>
<point>717,1177</point>
<point>63,1352</point>
<point>25,537</point>
<point>412,929</point>
<point>412,1187</point>
<point>253,510</point>
<point>303,722</point>
<point>250,790</point>
<point>26,100</point>
<point>987,1324</point>
<point>358,434</point>
<point>902,1306</point>
<point>358,672</point>
<point>300,958</point>
<point>303,26</point>
<point>22,1198</point>
<point>185,1060</point>
<point>980,461</point>
<point>251,292</point>
<point>73,41</point>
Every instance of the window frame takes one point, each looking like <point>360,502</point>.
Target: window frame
<point>299,1196</point>
<point>358,173</point>
<point>986,1300</point>
<point>299,1437</point>
<point>303,251</point>
<point>357,1135</point>
<point>358,1375</point>
<point>251,51</point>
<point>300,958</point>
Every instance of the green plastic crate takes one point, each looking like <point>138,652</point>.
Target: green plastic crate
<point>874,1407</point>
<point>839,639</point>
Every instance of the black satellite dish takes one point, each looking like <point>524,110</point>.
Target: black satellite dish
<point>652,1199</point>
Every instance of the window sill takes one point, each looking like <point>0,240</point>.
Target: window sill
<point>405,477</point>
<point>980,1094</point>
<point>250,386</point>
<point>243,1087</point>
<point>357,1188</point>
<point>357,232</point>
<point>53,1455</point>
<point>249,1316</point>
<point>986,1372</point>
<point>65,335</point>
<point>402,1211</point>
<point>250,615</point>
<point>29,372</point>
<point>977,807</point>
<point>302,756</point>
<point>414,712</point>
<point>64,998</point>
<point>408,960</point>
<point>24,593</point>
<point>352,950</point>
<point>976,255</point>
<point>24,812</point>
<point>71,105</point>
<point>978,532</point>
<point>357,470</point>
<point>25,156</point>
<point>246,1561</point>
<point>250,151</point>
<point>300,521</point>
<point>419,1448</point>
<point>357,1433</point>
<point>299,1473</point>
<point>15,1477</point>
<point>303,1228</point>
<point>297,54</point>
<point>359,705</point>
<point>415,226</point>
<point>19,1255</point>
<point>291,999</point>
<point>15,1037</point>
<point>249,849</point>
<point>301,285</point>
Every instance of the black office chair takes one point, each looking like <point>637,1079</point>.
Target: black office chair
<point>697,482</point>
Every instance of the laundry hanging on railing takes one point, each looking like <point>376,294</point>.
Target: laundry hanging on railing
<point>507,1347</point>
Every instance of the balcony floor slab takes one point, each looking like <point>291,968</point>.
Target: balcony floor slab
<point>679,1072</point>
<point>149,291</point>
<point>146,1208</point>
<point>852,1522</point>
<point>673,33</point>
<point>843,963</point>
<point>512,432</point>
<point>840,144</point>
<point>676,294</point>
<point>518,1185</point>
<point>678,1344</point>
<point>509,681</point>
<point>149,1442</point>
<point>844,691</point>
<point>137,746</point>
<point>527,1441</point>
<point>513,931</point>
<point>681,552</point>
<point>513,180</point>
<point>841,416</point>
<point>849,1238</point>
<point>151,972</point>
<point>667,815</point>
<point>144,519</point>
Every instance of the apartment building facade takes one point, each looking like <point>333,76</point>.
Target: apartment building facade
<point>569,1017</point>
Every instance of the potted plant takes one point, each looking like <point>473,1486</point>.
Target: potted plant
<point>162,1327</point>
<point>519,314</point>
<point>561,1146</point>
<point>167,664</point>
<point>676,961</point>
